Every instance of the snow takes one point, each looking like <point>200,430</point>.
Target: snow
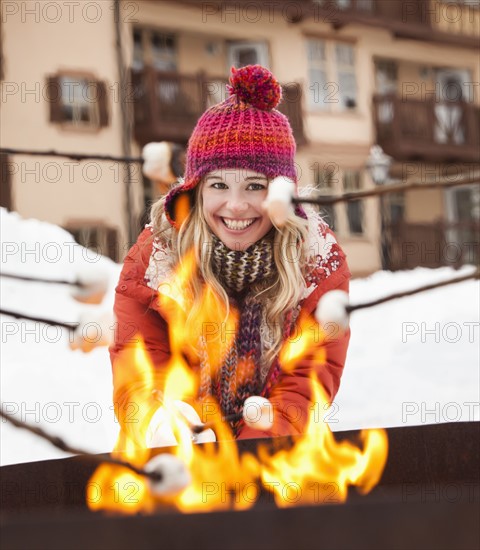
<point>410,361</point>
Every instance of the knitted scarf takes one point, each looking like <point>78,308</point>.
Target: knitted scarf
<point>238,269</point>
<point>241,375</point>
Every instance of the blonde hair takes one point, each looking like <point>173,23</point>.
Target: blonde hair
<point>290,249</point>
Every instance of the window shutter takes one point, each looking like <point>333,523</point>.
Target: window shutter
<point>5,183</point>
<point>2,76</point>
<point>112,243</point>
<point>102,104</point>
<point>291,106</point>
<point>54,97</point>
<point>177,164</point>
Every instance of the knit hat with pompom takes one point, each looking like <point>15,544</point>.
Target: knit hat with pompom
<point>244,131</point>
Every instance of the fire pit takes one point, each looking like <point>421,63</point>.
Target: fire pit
<point>428,497</point>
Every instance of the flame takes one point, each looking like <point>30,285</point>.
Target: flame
<point>318,469</point>
<point>307,336</point>
<point>116,488</point>
<point>212,322</point>
<point>221,479</point>
<point>182,208</point>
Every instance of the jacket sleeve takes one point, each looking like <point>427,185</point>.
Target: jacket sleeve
<point>135,376</point>
<point>291,395</point>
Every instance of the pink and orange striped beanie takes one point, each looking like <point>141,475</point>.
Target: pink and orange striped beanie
<point>244,131</point>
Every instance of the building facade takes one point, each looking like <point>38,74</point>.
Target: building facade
<point>402,74</point>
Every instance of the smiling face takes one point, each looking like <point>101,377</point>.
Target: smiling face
<point>232,206</point>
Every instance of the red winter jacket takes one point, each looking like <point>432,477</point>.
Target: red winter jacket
<point>137,311</point>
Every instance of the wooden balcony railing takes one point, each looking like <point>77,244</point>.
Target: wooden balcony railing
<point>433,244</point>
<point>167,105</point>
<point>426,20</point>
<point>411,129</point>
<point>443,21</point>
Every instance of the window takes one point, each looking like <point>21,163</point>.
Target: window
<point>158,49</point>
<point>396,203</point>
<point>463,210</point>
<point>332,77</point>
<point>345,64</point>
<point>366,5</point>
<point>78,101</point>
<point>338,4</point>
<point>76,106</point>
<point>244,53</point>
<point>352,183</point>
<point>470,3</point>
<point>155,48</point>
<point>386,76</point>
<point>324,182</point>
<point>215,91</point>
<point>138,48</point>
<point>317,75</point>
<point>386,79</point>
<point>102,239</point>
<point>345,218</point>
<point>163,51</point>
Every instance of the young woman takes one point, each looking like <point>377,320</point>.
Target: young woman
<point>269,277</point>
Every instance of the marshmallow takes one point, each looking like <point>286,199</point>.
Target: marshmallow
<point>92,285</point>
<point>157,158</point>
<point>175,475</point>
<point>93,331</point>
<point>331,308</point>
<point>258,413</point>
<point>279,200</point>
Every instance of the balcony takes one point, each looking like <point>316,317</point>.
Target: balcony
<point>426,20</point>
<point>433,245</point>
<point>167,105</point>
<point>435,131</point>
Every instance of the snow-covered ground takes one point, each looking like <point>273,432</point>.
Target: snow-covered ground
<point>411,361</point>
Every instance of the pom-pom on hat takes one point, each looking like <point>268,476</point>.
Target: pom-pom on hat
<point>244,131</point>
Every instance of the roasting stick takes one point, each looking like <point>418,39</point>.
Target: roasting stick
<point>69,326</point>
<point>59,443</point>
<point>474,275</point>
<point>40,279</point>
<point>199,428</point>
<point>334,306</point>
<point>89,287</point>
<point>166,474</point>
<point>344,307</point>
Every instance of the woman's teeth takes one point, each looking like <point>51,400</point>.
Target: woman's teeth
<point>238,224</point>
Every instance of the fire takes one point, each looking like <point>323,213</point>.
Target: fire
<point>213,324</point>
<point>308,336</point>
<point>221,479</point>
<point>318,469</point>
<point>218,472</point>
<point>116,488</point>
